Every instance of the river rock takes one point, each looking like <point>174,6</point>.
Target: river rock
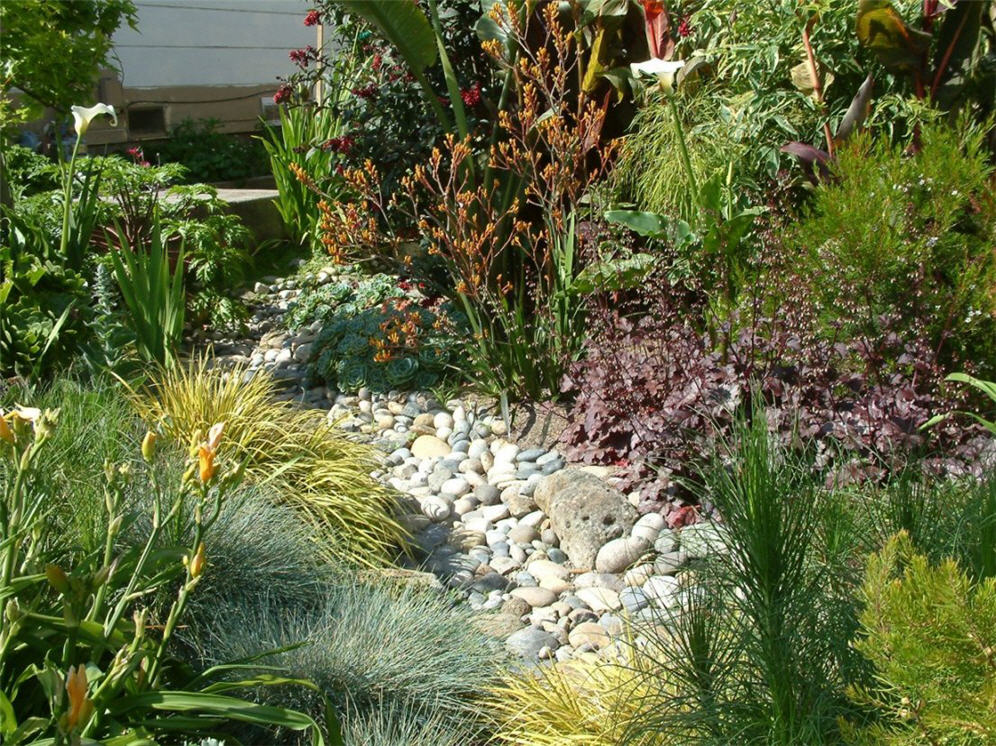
<point>535,596</point>
<point>585,512</point>
<point>528,642</point>
<point>620,553</point>
<point>588,633</point>
<point>429,447</point>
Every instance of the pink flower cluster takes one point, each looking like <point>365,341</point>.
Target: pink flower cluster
<point>367,92</point>
<point>283,94</point>
<point>313,18</point>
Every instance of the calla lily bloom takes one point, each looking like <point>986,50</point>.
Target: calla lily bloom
<point>26,414</point>
<point>664,70</point>
<point>83,116</point>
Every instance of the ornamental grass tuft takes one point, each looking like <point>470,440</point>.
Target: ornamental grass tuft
<point>590,701</point>
<point>375,649</point>
<point>306,462</point>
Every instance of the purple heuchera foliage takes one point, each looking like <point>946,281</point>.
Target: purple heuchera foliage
<point>655,391</point>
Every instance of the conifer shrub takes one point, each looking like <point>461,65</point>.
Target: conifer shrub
<point>929,631</point>
<point>906,237</point>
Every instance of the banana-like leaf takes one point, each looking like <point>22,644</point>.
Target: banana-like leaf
<point>402,24</point>
<point>898,46</point>
<point>857,112</point>
<point>957,44</point>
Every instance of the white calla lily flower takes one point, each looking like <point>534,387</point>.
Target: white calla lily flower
<point>83,116</point>
<point>664,70</point>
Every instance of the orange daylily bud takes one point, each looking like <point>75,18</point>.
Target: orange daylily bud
<point>206,463</point>
<point>149,447</point>
<point>197,563</point>
<point>80,706</point>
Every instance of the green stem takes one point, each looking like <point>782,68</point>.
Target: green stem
<point>67,196</point>
<point>686,162</point>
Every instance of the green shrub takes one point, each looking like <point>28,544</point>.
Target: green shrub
<point>756,649</point>
<point>908,238</point>
<point>210,155</point>
<point>649,173</point>
<point>940,518</point>
<point>929,632</point>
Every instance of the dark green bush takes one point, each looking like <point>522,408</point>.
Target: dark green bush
<point>210,155</point>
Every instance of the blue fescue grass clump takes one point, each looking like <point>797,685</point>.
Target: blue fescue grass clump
<point>374,648</point>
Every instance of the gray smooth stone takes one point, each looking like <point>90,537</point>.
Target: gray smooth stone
<point>528,642</point>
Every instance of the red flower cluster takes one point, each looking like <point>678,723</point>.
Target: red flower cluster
<point>313,18</point>
<point>283,94</point>
<point>368,92</point>
<point>472,95</point>
<point>377,62</point>
<point>138,156</point>
<point>302,57</point>
<point>339,144</point>
<point>684,28</point>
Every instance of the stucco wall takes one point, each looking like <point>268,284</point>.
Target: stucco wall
<point>211,42</point>
<point>200,59</point>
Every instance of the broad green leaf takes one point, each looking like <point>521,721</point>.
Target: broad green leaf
<point>648,224</point>
<point>8,720</point>
<point>896,45</point>
<point>217,705</point>
<point>616,274</point>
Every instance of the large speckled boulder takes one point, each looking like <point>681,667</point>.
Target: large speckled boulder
<point>585,513</point>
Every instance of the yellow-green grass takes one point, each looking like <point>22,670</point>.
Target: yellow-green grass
<point>308,463</point>
<point>589,701</point>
